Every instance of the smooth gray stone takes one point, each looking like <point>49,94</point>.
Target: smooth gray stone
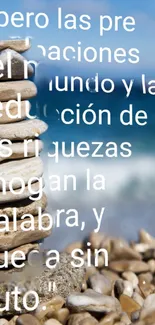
<point>17,64</point>
<point>93,302</point>
<point>23,130</point>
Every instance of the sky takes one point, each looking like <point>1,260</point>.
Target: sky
<point>142,38</point>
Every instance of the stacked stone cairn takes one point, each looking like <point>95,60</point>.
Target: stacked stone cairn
<point>16,128</point>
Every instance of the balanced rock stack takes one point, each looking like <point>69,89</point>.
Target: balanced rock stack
<point>22,198</point>
<point>19,138</point>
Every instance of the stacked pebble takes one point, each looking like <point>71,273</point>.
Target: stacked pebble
<point>17,130</point>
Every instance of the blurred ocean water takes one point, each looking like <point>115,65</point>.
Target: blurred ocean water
<point>129,198</point>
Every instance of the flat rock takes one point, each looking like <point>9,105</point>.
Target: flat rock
<point>26,249</point>
<point>16,45</point>
<point>10,89</point>
<point>18,150</point>
<point>16,61</point>
<point>93,302</point>
<point>16,196</point>
<point>125,265</point>
<point>26,206</point>
<point>15,238</point>
<point>67,280</point>
<point>14,112</point>
<point>28,129</point>
<point>24,169</point>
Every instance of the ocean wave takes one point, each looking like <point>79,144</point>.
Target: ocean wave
<point>132,178</point>
<point>128,198</point>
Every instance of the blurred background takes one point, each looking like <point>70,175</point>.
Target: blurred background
<point>130,183</point>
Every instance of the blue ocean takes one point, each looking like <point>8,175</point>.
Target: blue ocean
<point>130,182</point>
